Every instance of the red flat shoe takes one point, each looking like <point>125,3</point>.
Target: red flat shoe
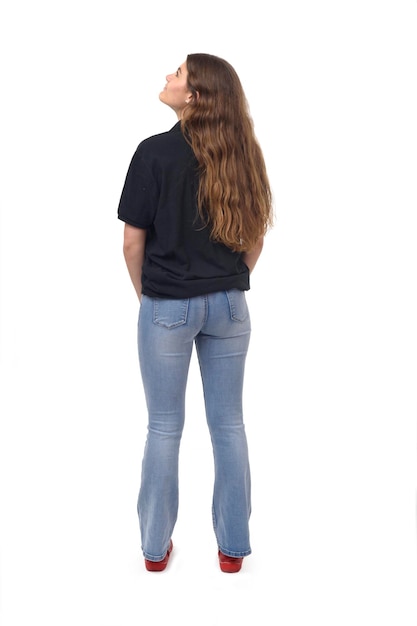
<point>159,566</point>
<point>230,564</point>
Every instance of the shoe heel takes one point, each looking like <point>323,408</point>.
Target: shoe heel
<point>159,566</point>
<point>230,564</point>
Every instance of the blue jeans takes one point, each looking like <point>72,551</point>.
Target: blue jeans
<point>219,325</point>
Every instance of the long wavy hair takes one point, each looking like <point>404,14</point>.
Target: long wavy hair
<point>234,196</point>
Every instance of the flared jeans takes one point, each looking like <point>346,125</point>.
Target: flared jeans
<point>218,324</point>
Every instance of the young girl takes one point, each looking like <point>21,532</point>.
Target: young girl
<point>196,205</point>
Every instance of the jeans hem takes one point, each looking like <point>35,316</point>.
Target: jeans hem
<point>153,558</point>
<point>238,555</point>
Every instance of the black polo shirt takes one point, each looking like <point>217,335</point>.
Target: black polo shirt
<point>159,195</point>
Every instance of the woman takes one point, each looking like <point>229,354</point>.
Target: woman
<point>196,205</point>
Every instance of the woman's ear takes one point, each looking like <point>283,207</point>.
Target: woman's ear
<point>191,96</point>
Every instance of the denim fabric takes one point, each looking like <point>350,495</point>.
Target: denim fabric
<point>218,324</point>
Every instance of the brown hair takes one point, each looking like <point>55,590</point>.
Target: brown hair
<point>234,195</point>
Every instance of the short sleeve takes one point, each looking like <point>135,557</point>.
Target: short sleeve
<point>139,197</point>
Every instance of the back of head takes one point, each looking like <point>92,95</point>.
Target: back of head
<point>217,90</point>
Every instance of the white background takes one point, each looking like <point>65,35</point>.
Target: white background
<point>330,396</point>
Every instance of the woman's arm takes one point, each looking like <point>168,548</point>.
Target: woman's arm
<point>251,257</point>
<point>134,251</point>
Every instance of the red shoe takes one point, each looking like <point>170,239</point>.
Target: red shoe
<point>230,564</point>
<point>159,566</point>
